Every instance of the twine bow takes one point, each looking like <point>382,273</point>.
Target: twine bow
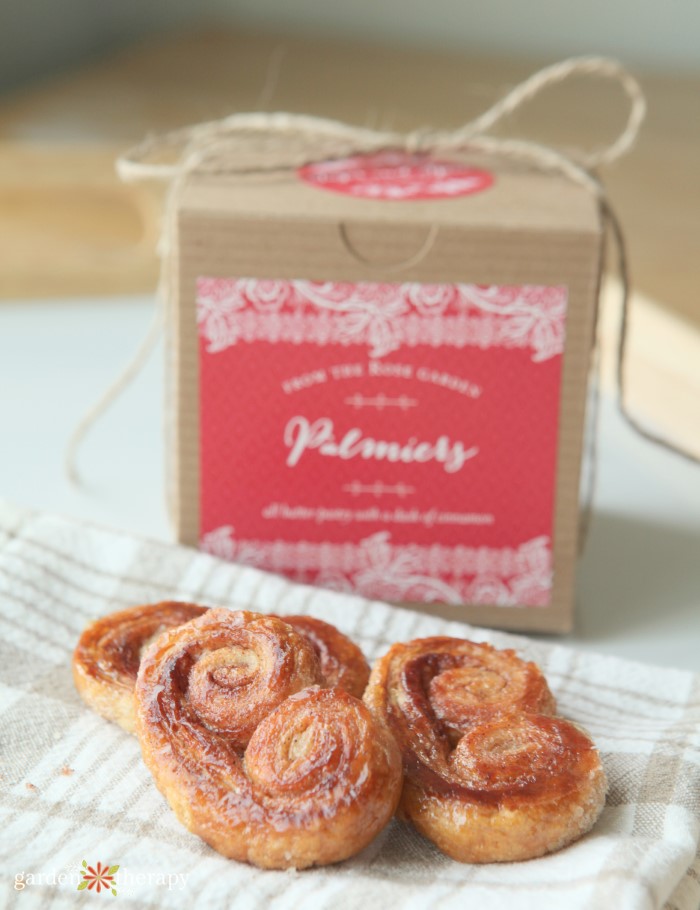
<point>249,142</point>
<point>262,143</point>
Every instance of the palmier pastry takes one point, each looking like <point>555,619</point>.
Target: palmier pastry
<point>342,662</point>
<point>491,774</point>
<point>107,657</point>
<point>253,757</point>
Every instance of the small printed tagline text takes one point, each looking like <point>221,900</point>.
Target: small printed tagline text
<point>324,515</point>
<point>377,369</point>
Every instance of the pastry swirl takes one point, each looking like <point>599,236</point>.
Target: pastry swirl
<point>342,662</point>
<point>491,774</point>
<point>252,755</point>
<point>107,657</point>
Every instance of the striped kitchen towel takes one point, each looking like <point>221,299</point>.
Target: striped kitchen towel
<point>74,787</point>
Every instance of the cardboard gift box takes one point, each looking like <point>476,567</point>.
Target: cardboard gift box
<point>379,378</point>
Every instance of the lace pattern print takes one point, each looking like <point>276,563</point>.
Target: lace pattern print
<point>252,754</point>
<point>492,774</point>
<point>385,317</point>
<point>379,568</point>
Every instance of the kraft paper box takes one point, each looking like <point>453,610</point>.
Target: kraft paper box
<point>379,379</point>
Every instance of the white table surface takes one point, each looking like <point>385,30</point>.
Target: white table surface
<point>639,580</point>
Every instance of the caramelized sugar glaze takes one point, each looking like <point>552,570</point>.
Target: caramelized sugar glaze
<point>342,662</point>
<point>252,754</point>
<point>491,773</point>
<point>107,657</point>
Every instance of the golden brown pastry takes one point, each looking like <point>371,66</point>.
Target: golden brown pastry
<point>253,757</point>
<point>490,774</point>
<point>342,662</point>
<point>106,659</point>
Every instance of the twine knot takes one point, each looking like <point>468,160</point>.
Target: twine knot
<point>256,142</point>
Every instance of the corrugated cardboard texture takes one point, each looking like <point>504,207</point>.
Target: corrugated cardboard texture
<point>527,229</point>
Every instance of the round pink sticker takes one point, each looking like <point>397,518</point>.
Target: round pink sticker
<point>396,175</point>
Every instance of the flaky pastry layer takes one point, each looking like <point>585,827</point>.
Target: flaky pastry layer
<point>253,757</point>
<point>491,774</point>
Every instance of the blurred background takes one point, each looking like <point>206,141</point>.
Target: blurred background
<point>81,80</point>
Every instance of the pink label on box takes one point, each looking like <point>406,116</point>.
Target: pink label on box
<point>398,440</point>
<point>396,175</point>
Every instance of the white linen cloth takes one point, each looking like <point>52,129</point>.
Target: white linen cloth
<point>74,786</point>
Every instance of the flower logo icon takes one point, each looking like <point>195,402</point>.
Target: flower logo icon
<point>99,877</point>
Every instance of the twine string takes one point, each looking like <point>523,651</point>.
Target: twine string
<point>622,340</point>
<point>212,146</point>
